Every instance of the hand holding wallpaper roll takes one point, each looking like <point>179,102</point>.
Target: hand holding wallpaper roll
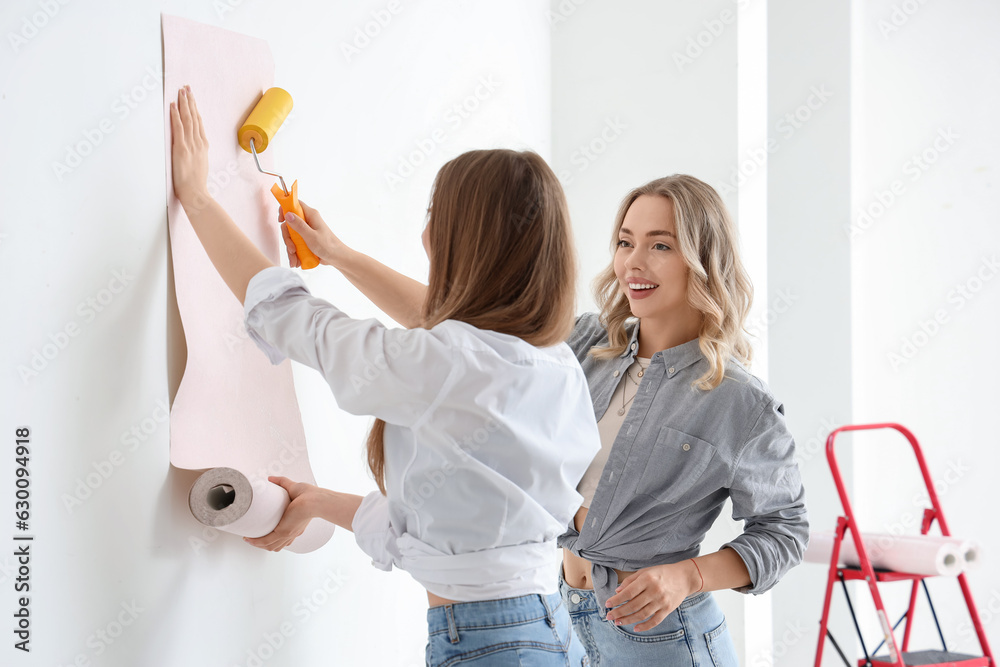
<point>225,499</point>
<point>913,554</point>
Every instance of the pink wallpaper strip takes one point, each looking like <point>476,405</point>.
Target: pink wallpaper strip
<point>232,407</point>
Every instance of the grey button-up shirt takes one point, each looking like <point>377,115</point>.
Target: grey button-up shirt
<point>679,454</point>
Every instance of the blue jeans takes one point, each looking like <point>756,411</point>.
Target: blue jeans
<point>528,631</point>
<point>693,635</point>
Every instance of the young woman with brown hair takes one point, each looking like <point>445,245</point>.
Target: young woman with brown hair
<point>484,425</point>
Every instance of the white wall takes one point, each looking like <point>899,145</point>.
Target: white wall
<point>132,540</point>
<point>925,223</point>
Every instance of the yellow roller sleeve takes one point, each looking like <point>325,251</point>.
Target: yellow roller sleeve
<point>290,204</point>
<point>265,119</point>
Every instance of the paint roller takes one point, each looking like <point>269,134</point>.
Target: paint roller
<point>254,136</point>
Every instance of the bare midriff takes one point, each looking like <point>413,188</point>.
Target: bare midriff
<point>437,601</point>
<point>576,570</point>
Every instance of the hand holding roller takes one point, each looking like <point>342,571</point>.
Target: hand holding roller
<point>255,135</point>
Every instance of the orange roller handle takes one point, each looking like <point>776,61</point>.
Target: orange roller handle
<point>290,204</point>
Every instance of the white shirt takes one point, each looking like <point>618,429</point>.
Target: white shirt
<point>487,437</point>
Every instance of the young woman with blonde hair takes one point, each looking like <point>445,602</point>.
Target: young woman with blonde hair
<point>481,395</point>
<point>684,426</point>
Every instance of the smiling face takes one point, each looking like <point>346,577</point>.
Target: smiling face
<point>650,269</point>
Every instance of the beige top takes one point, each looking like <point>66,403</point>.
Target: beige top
<point>610,424</point>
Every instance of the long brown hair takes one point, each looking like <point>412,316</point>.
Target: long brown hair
<point>718,285</point>
<point>501,255</point>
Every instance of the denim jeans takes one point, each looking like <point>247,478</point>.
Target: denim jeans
<point>693,635</point>
<point>528,631</point>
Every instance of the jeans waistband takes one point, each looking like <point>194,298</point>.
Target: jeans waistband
<point>492,613</point>
<point>577,599</point>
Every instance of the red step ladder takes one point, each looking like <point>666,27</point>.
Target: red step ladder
<point>897,656</point>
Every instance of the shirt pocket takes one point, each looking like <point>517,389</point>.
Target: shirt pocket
<point>676,461</point>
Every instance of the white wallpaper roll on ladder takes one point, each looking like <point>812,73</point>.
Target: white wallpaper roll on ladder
<point>233,409</point>
<point>914,554</point>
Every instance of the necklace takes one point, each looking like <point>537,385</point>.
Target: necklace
<point>642,371</point>
<point>625,403</point>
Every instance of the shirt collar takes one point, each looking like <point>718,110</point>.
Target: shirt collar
<point>678,357</point>
<point>633,344</point>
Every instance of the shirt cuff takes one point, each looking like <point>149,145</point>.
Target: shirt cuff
<point>373,531</point>
<point>752,563</point>
<point>267,285</point>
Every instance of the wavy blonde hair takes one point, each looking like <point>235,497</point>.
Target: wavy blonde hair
<point>718,285</point>
<point>501,255</point>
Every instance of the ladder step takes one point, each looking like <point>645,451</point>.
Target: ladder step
<point>931,659</point>
<point>881,575</point>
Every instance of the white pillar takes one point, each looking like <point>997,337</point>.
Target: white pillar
<point>809,200</point>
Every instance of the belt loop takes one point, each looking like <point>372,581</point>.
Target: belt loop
<point>549,616</point>
<point>449,612</point>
